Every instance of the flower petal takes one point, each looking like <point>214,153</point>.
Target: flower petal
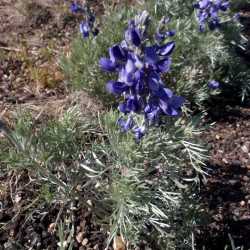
<point>116,53</point>
<point>139,133</point>
<point>133,104</point>
<point>164,65</point>
<point>132,36</point>
<point>116,88</point>
<point>151,55</point>
<point>74,7</point>
<point>107,65</point>
<point>126,125</point>
<point>130,66</point>
<point>167,49</point>
<point>154,82</point>
<point>84,29</point>
<point>126,77</point>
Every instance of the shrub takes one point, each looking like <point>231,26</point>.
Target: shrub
<point>143,186</point>
<point>49,150</point>
<point>137,191</point>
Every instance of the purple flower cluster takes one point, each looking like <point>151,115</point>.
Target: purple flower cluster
<point>88,25</point>
<point>208,12</point>
<point>213,84</point>
<point>139,65</point>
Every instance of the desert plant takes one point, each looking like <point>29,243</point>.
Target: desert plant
<point>136,189</point>
<point>49,151</point>
<point>139,188</point>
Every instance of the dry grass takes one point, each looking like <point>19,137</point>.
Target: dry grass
<point>51,107</point>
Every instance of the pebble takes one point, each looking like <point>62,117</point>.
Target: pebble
<point>217,137</point>
<point>85,242</point>
<point>96,247</point>
<point>225,160</point>
<point>242,203</point>
<point>244,149</point>
<point>79,237</point>
<point>18,80</point>
<point>245,178</point>
<point>51,228</point>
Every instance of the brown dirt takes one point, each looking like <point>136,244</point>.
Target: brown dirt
<point>28,223</point>
<point>226,195</point>
<point>34,34</point>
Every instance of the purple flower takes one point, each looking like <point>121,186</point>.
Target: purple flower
<point>125,125</point>
<point>133,104</point>
<point>117,53</point>
<point>139,66</point>
<point>213,84</point>
<point>160,36</point>
<point>95,31</point>
<point>152,112</point>
<point>139,132</point>
<point>208,13</point>
<point>236,16</point>
<point>164,65</point>
<point>75,7</point>
<point>169,103</point>
<point>88,25</point>
<point>85,29</point>
<point>132,36</point>
<point>167,49</point>
<point>116,88</point>
<point>107,65</point>
<point>170,33</point>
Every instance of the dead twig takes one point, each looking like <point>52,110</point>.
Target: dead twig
<point>10,49</point>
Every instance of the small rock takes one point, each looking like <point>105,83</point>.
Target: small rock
<point>244,149</point>
<point>79,188</point>
<point>89,202</point>
<point>245,178</point>
<point>18,79</point>
<point>96,247</point>
<point>51,228</point>
<point>118,243</point>
<point>225,160</point>
<point>242,203</point>
<point>217,137</point>
<point>85,242</point>
<point>18,198</point>
<point>79,237</point>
